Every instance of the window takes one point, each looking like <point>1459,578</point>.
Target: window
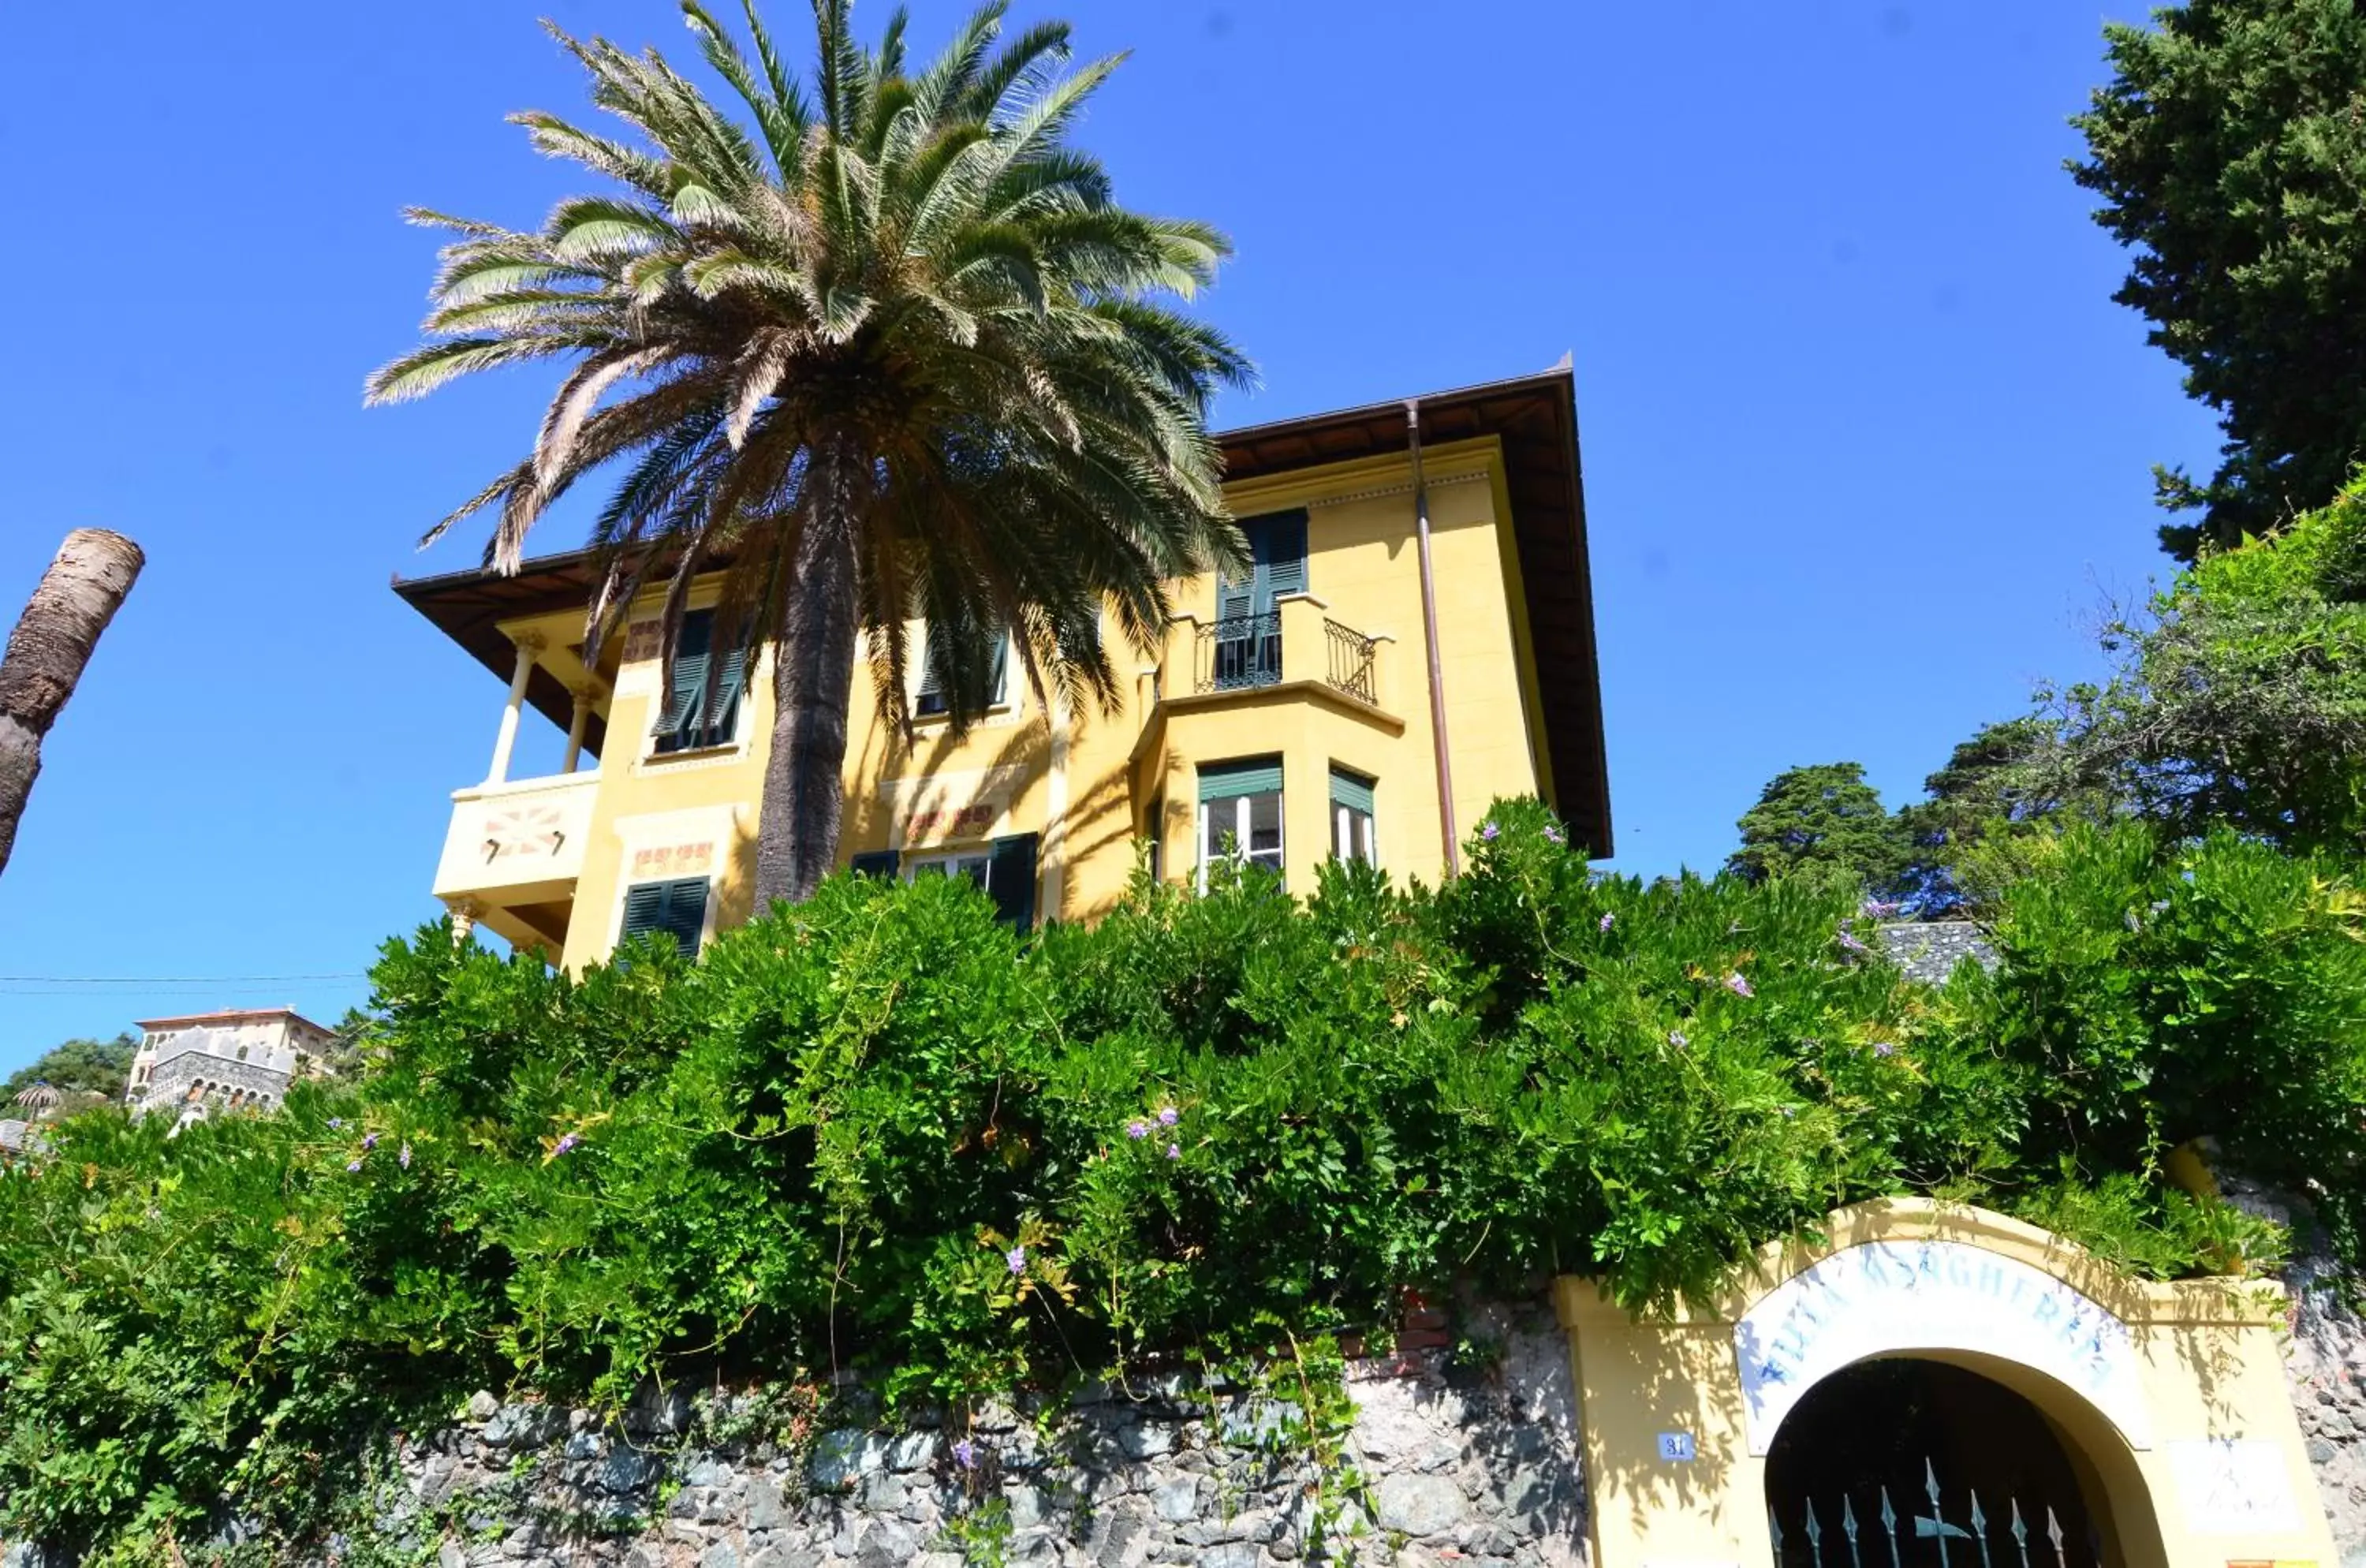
<point>691,721</point>
<point>1005,869</point>
<point>677,908</point>
<point>1240,814</point>
<point>931,699</point>
<point>1248,628</point>
<point>975,865</point>
<point>1153,833</point>
<point>1352,835</point>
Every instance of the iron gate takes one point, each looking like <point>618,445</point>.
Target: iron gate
<point>1932,1540</point>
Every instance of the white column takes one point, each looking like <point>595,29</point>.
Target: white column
<point>1052,851</point>
<point>466,912</point>
<point>506,741</point>
<point>576,720</point>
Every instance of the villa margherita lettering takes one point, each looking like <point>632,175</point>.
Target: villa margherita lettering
<point>1889,1297</point>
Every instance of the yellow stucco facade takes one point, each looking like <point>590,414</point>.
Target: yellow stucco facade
<point>2169,1399</point>
<point>1344,685</point>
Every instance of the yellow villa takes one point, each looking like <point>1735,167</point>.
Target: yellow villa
<point>1416,640</point>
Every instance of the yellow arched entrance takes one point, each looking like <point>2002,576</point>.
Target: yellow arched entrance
<point>2171,1398</point>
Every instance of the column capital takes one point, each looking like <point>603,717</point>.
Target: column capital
<point>530,642</point>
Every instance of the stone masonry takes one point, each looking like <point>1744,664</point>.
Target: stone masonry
<point>1477,1466</point>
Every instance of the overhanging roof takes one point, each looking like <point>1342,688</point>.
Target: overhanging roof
<point>1534,418</point>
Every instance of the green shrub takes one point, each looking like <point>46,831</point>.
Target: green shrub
<point>878,1131</point>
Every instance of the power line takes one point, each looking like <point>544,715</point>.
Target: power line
<point>173,979</point>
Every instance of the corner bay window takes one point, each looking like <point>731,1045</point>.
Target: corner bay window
<point>701,711</point>
<point>677,908</point>
<point>1240,814</point>
<point>1352,836</point>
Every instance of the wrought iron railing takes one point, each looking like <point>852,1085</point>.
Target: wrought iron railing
<point>1239,651</point>
<point>1351,661</point>
<point>1829,1536</point>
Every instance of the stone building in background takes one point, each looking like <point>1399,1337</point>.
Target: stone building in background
<point>239,1059</point>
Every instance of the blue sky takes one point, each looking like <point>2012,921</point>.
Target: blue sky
<point>1867,441</point>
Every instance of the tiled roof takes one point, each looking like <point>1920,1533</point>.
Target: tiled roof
<point>1929,949</point>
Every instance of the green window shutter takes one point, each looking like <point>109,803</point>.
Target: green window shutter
<point>931,697</point>
<point>881,864</point>
<point>686,914</point>
<point>1280,544</point>
<point>1010,881</point>
<point>729,687</point>
<point>1226,780</point>
<point>677,729</point>
<point>644,908</point>
<point>1351,790</point>
<point>677,908</point>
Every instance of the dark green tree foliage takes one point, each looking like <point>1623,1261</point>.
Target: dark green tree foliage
<point>1826,822</point>
<point>2240,696</point>
<point>877,1131</point>
<point>86,1066</point>
<point>2230,153</point>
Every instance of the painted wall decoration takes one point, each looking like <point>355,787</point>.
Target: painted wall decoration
<point>659,862</point>
<point>519,831</point>
<point>1892,1296</point>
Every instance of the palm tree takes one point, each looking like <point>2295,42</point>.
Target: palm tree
<point>896,352</point>
<point>73,603</point>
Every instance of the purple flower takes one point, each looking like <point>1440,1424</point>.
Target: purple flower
<point>1878,909</point>
<point>370,1142</point>
<point>1789,1111</point>
<point>1676,1038</point>
<point>1607,921</point>
<point>966,1454</point>
<point>1884,1048</point>
<point>405,1157</point>
<point>352,1165</point>
<point>567,1144</point>
<point>1552,834</point>
<point>1848,940</point>
<point>1489,833</point>
<point>1174,1151</point>
<point>1738,986</point>
<point>336,1123</point>
<point>1168,1116</point>
<point>1016,1258</point>
<point>1137,1131</point>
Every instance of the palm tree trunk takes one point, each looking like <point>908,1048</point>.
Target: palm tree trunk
<point>78,596</point>
<point>813,676</point>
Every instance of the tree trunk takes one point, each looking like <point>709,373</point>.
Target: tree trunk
<point>76,597</point>
<point>812,675</point>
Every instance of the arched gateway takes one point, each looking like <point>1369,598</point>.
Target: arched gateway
<point>1906,1392</point>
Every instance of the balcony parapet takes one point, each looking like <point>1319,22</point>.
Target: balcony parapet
<point>518,836</point>
<point>1295,642</point>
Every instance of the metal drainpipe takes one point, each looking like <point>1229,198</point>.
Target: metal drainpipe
<point>1446,828</point>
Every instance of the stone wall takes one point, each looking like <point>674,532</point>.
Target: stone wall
<point>2326,1364</point>
<point>1474,1465</point>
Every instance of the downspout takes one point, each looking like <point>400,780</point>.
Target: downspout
<point>1448,837</point>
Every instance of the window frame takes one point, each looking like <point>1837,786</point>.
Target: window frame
<point>925,672</point>
<point>706,913</point>
<point>654,749</point>
<point>1241,804</point>
<point>1348,815</point>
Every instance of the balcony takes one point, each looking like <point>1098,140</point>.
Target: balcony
<point>1286,680</point>
<point>514,850</point>
<point>1243,652</point>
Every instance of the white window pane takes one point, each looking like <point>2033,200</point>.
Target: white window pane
<point>1264,837</point>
